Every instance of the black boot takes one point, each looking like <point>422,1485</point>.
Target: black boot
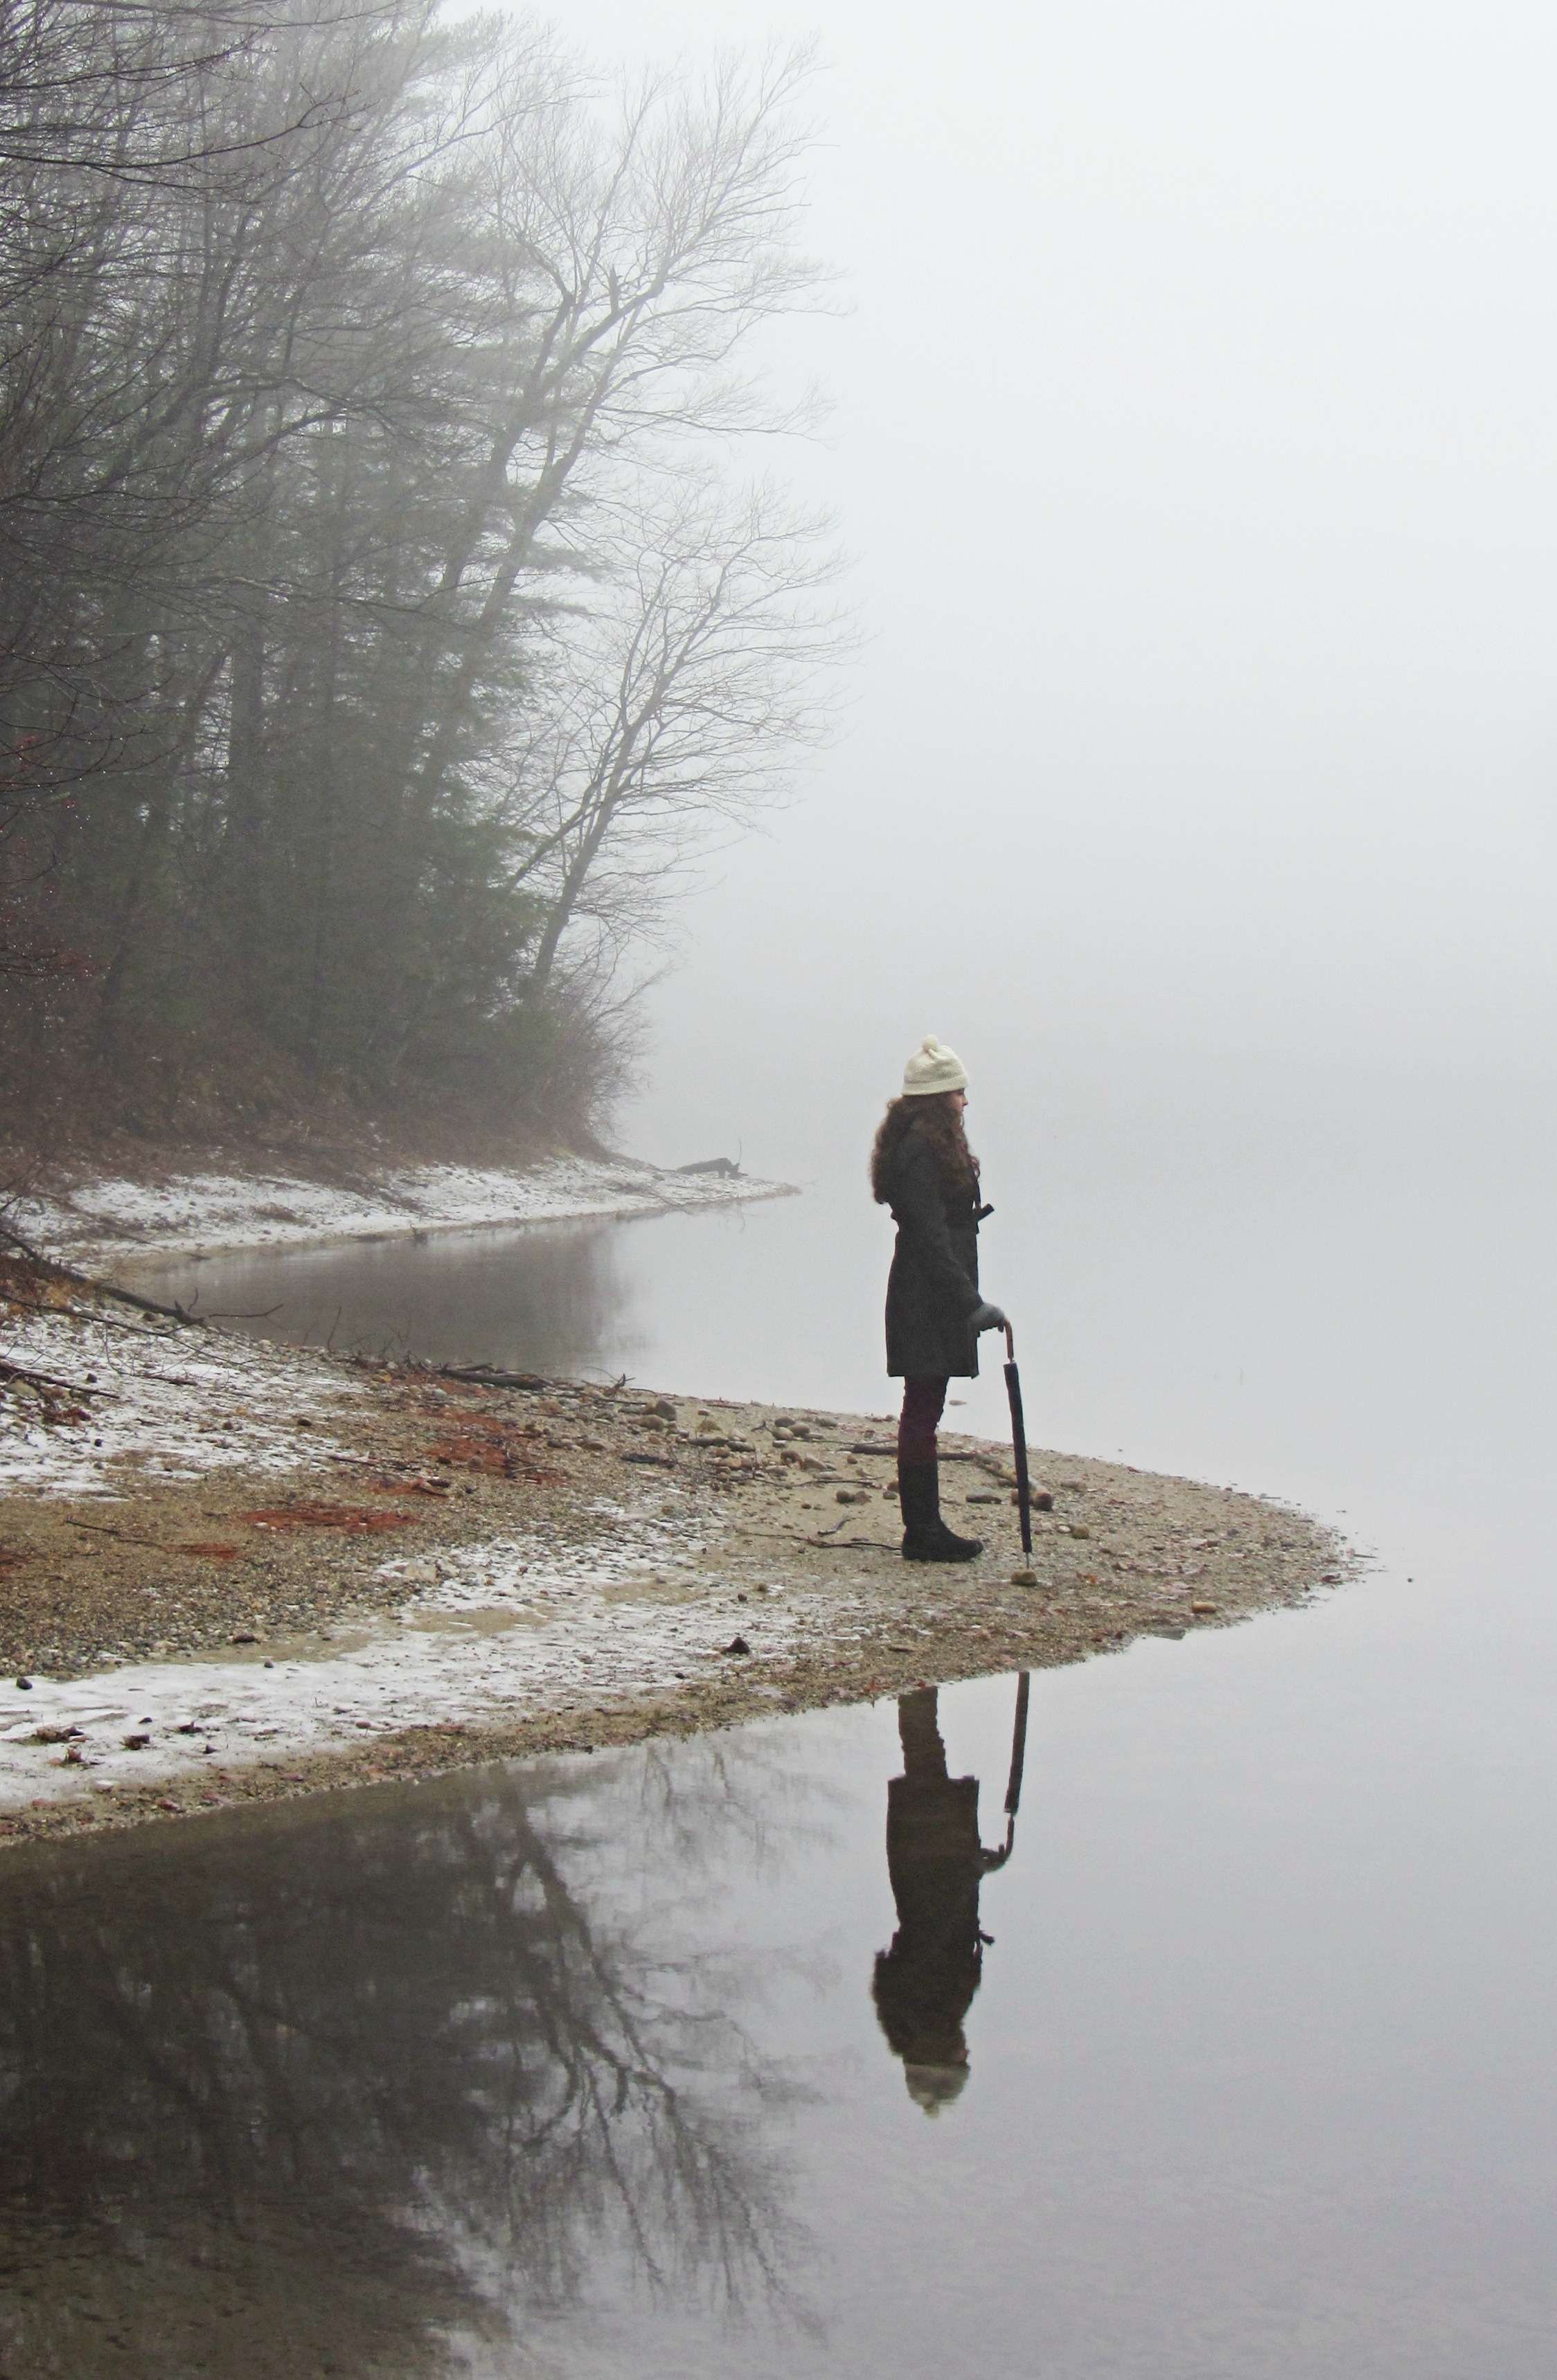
<point>926,1537</point>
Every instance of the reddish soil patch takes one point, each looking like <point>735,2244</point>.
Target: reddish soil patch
<point>497,1450</point>
<point>360,1519</point>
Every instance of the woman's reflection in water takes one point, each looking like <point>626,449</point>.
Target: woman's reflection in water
<point>923,1985</point>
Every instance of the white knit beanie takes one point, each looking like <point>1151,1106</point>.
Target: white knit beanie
<point>933,1068</point>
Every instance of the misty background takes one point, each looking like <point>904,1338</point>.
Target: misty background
<point>1194,432</point>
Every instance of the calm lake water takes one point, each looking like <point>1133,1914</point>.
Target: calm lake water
<point>652,2064</point>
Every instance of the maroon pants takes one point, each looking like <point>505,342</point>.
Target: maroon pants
<point>924,1401</point>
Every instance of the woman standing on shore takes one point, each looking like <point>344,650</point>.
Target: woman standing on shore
<point>923,1168</point>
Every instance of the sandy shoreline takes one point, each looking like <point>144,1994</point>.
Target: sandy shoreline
<point>235,1572</point>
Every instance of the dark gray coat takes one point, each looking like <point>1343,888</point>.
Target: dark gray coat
<point>933,1286</point>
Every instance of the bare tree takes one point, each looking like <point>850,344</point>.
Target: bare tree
<point>363,568</point>
<point>628,257</point>
<point>674,711</point>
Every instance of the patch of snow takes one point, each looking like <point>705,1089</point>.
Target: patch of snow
<point>190,1213</point>
<point>510,1630</point>
<point>175,1403</point>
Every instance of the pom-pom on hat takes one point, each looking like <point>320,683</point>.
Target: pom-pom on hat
<point>931,1069</point>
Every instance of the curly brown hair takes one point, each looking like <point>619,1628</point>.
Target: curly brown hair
<point>943,1127</point>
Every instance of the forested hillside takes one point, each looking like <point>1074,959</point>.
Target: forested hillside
<point>388,616</point>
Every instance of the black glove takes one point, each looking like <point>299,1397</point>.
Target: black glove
<point>988,1318</point>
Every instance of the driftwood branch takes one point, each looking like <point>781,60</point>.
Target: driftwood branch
<point>483,1376</point>
<point>129,1536</point>
<point>45,1383</point>
<point>48,1265</point>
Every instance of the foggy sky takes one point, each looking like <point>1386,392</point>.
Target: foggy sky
<point>1195,432</point>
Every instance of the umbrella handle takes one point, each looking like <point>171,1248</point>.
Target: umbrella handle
<point>1010,1344</point>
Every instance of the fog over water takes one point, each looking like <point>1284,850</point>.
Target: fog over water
<point>1195,421</point>
<point>1196,407</point>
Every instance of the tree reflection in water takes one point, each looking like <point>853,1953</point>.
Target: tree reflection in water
<point>554,1298</point>
<point>924,1985</point>
<point>355,2090</point>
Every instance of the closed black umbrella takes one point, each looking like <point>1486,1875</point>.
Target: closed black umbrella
<point>1019,1439</point>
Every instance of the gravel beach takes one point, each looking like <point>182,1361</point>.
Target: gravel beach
<point>234,1571</point>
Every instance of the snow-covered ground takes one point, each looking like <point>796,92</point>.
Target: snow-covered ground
<point>178,1403</point>
<point>498,1632</point>
<point>492,1633</point>
<point>509,1628</point>
<point>103,1221</point>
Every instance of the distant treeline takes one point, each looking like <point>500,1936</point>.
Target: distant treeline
<point>386,619</point>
